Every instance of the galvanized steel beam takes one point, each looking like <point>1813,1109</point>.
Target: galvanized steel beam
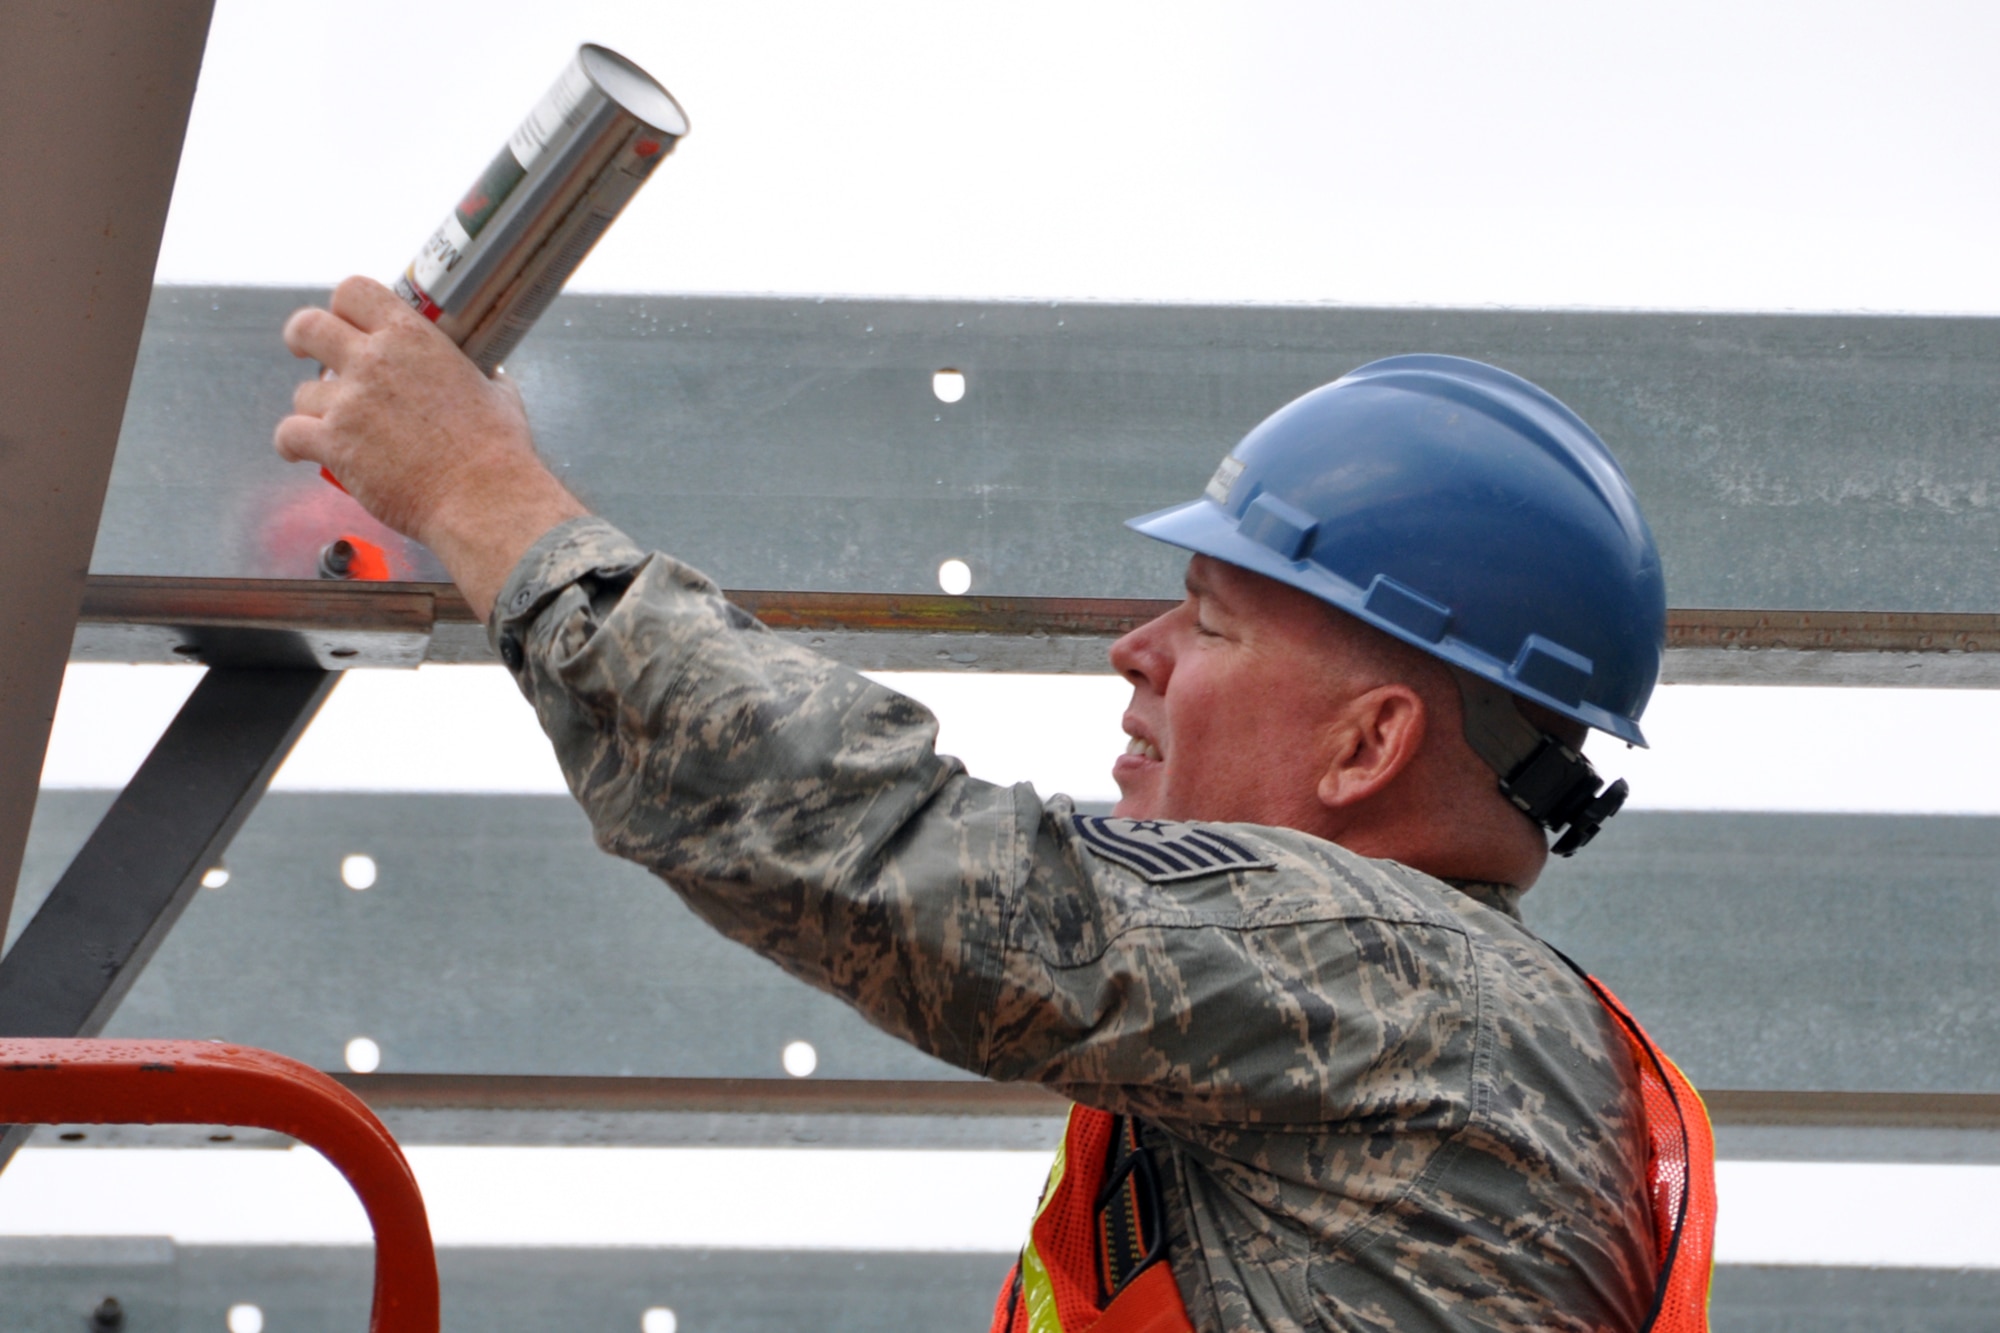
<point>1787,462</point>
<point>94,99</point>
<point>1788,953</point>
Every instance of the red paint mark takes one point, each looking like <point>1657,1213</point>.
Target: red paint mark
<point>371,562</point>
<point>646,147</point>
<point>299,523</point>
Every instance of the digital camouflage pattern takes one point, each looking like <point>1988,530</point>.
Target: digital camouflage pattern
<point>1381,1103</point>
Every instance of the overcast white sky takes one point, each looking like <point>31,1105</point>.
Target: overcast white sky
<point>1688,155</point>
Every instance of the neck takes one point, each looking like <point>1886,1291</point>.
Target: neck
<point>1483,841</point>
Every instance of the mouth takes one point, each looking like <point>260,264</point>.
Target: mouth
<point>1141,748</point>
<point>1139,772</point>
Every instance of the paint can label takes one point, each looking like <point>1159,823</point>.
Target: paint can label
<point>559,108</point>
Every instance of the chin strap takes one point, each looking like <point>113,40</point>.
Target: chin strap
<point>1545,779</point>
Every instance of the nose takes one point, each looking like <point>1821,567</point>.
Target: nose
<point>1144,656</point>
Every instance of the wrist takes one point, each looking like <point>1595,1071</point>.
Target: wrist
<point>483,532</point>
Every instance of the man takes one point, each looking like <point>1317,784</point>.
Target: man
<point>1327,1078</point>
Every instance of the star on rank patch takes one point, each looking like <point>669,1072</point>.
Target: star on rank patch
<point>1160,850</point>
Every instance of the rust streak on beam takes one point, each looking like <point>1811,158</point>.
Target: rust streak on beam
<point>934,614</point>
<point>264,603</point>
<point>1888,1110</point>
<point>1834,631</point>
<point>760,1096</point>
<point>743,1096</point>
<point>417,1091</point>
<point>388,607</point>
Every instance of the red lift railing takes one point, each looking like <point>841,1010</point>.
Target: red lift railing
<point>94,1082</point>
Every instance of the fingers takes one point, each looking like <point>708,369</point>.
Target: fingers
<point>360,306</point>
<point>323,336</point>
<point>367,304</point>
<point>314,398</point>
<point>301,439</point>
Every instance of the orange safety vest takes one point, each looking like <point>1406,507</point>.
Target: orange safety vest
<point>1095,1257</point>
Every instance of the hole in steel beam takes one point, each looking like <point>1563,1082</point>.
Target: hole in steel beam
<point>363,1056</point>
<point>948,385</point>
<point>357,872</point>
<point>800,1059</point>
<point>214,877</point>
<point>955,577</point>
<point>245,1318</point>
<point>72,1136</point>
<point>659,1319</point>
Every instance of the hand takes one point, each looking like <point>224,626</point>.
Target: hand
<point>419,437</point>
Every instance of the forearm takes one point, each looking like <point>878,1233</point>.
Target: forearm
<point>797,806</point>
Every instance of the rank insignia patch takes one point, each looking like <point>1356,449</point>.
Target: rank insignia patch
<point>1160,850</point>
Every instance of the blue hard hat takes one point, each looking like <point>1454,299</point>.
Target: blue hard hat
<point>1462,510</point>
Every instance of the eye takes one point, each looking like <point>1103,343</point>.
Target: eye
<point>1195,606</point>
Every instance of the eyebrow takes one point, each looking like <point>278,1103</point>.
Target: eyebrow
<point>1199,587</point>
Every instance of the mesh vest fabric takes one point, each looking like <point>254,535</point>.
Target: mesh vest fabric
<point>1058,1286</point>
<point>1680,1169</point>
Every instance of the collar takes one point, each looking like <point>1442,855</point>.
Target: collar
<point>1502,898</point>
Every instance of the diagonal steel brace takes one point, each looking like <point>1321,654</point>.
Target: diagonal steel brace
<point>115,903</point>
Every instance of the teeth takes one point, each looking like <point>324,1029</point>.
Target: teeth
<point>1139,745</point>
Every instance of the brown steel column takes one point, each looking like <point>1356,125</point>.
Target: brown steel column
<point>94,99</point>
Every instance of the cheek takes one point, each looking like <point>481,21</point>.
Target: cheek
<point>1240,741</point>
<point>1203,729</point>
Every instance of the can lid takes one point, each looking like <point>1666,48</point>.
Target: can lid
<point>633,89</point>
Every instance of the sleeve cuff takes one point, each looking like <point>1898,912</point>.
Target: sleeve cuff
<point>576,549</point>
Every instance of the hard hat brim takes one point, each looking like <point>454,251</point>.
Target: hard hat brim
<point>1206,528</point>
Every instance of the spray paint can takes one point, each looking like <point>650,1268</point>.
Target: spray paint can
<point>498,260</point>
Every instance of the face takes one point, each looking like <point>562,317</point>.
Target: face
<point>1231,691</point>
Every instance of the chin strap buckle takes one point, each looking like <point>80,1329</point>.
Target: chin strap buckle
<point>1546,780</point>
<point>1555,786</point>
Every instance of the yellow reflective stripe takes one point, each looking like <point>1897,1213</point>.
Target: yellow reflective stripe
<point>1038,1293</point>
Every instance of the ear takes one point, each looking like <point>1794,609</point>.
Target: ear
<point>1375,738</point>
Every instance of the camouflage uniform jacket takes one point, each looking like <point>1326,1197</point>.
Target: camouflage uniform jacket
<point>1381,1103</point>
